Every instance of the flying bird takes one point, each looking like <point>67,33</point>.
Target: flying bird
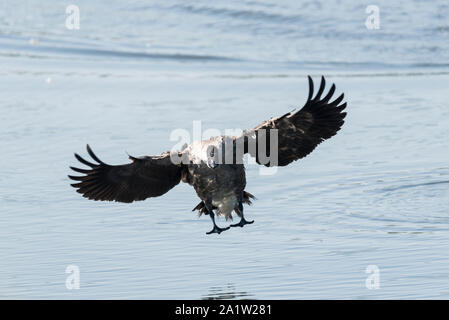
<point>214,167</point>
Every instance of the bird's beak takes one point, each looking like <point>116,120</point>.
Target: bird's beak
<point>212,164</point>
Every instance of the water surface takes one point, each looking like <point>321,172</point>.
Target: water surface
<point>375,194</point>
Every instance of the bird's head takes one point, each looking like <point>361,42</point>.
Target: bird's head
<point>212,157</point>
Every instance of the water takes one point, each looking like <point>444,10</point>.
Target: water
<point>375,194</point>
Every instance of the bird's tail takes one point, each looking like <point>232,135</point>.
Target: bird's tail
<point>247,198</point>
<point>201,207</point>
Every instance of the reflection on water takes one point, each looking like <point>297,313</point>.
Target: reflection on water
<point>226,292</point>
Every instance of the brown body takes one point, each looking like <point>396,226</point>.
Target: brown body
<point>221,188</point>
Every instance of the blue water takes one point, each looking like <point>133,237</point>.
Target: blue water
<point>375,194</point>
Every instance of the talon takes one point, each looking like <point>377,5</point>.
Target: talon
<point>242,222</point>
<point>217,229</point>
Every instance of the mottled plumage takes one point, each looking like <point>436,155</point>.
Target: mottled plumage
<point>215,167</point>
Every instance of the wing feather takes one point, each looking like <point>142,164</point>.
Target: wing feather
<point>300,132</point>
<point>144,177</point>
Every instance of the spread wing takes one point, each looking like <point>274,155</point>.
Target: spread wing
<point>298,133</point>
<point>145,177</point>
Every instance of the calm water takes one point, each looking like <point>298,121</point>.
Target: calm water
<point>376,194</point>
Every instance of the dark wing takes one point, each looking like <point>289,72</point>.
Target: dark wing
<point>145,177</point>
<point>298,133</point>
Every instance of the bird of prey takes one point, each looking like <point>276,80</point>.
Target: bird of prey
<point>215,167</point>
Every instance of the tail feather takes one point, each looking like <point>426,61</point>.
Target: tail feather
<point>247,198</point>
<point>201,207</point>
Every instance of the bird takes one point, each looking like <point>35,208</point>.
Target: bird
<point>214,167</point>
